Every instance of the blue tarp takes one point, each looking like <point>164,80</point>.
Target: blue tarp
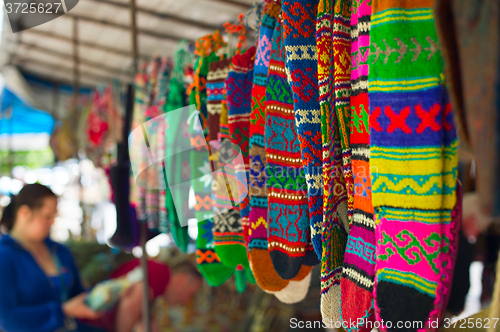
<point>25,119</point>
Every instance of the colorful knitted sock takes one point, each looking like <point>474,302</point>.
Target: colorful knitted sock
<point>216,94</point>
<point>257,230</point>
<point>444,288</point>
<point>208,262</point>
<point>332,77</point>
<point>358,271</point>
<point>299,24</point>
<point>413,156</point>
<point>239,102</point>
<point>228,229</point>
<point>174,166</point>
<point>288,231</point>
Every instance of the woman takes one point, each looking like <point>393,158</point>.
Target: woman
<point>40,289</point>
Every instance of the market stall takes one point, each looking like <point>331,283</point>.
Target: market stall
<point>326,164</point>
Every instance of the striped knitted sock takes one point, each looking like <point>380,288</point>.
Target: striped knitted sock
<point>288,231</point>
<point>299,24</point>
<point>239,101</point>
<point>414,160</point>
<point>239,87</point>
<point>335,219</point>
<point>257,231</point>
<point>208,262</point>
<point>358,272</point>
<point>228,229</point>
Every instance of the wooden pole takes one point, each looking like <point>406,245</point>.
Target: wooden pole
<point>133,26</point>
<point>146,317</point>
<point>76,61</point>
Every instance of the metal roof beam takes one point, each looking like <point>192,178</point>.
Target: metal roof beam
<point>61,55</point>
<point>235,3</point>
<point>151,33</point>
<point>23,61</point>
<point>103,48</point>
<point>163,16</point>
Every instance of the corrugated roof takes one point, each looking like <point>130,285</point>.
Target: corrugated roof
<point>104,36</point>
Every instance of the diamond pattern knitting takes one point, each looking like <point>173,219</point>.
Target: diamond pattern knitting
<point>239,102</point>
<point>288,232</point>
<point>257,185</point>
<point>413,150</point>
<point>299,24</point>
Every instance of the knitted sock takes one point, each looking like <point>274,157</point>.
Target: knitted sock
<point>239,102</point>
<point>413,154</point>
<point>290,251</point>
<point>207,260</point>
<point>174,166</point>
<point>299,24</point>
<point>444,288</point>
<point>257,231</point>
<point>358,271</point>
<point>228,229</point>
<point>177,165</point>
<point>334,89</point>
<point>216,94</point>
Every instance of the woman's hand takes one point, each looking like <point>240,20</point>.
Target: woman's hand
<point>77,308</point>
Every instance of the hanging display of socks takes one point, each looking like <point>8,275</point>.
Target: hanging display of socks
<point>341,119</point>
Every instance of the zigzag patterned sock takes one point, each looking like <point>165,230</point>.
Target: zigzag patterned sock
<point>209,264</point>
<point>288,231</point>
<point>257,231</point>
<point>299,25</point>
<point>358,271</point>
<point>335,219</point>
<point>413,155</point>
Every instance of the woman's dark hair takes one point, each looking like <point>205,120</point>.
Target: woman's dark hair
<point>186,267</point>
<point>32,195</point>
